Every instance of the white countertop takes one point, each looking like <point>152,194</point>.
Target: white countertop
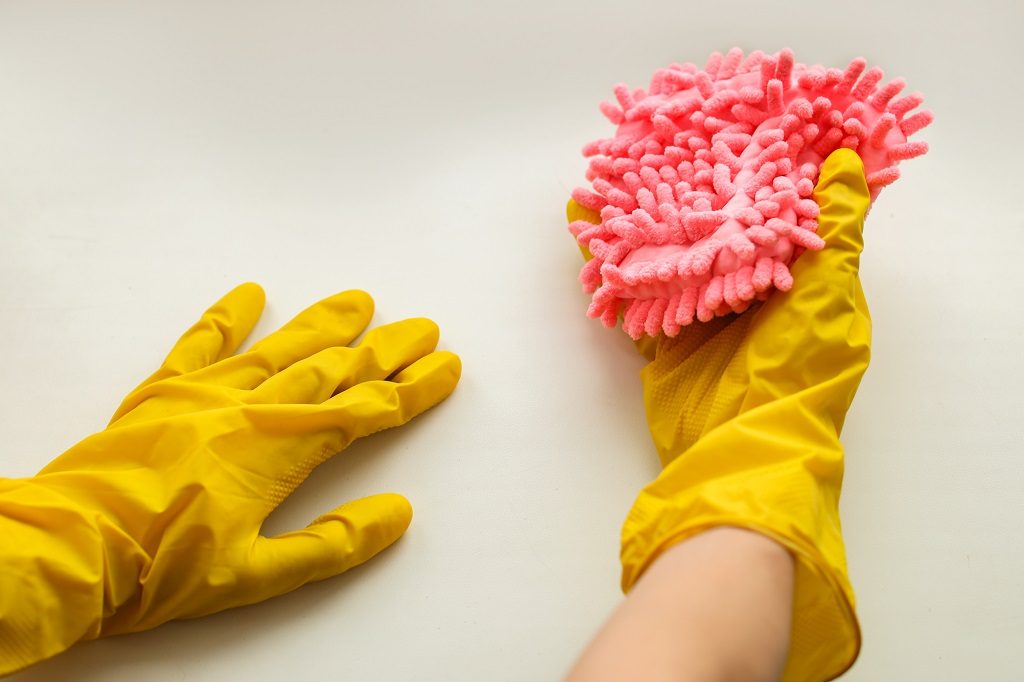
<point>154,154</point>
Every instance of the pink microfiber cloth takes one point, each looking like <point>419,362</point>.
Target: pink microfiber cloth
<point>704,192</point>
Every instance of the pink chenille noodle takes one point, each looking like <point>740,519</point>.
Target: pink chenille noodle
<point>705,190</point>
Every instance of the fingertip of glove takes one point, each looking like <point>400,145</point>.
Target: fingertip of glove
<point>386,515</point>
<point>844,156</point>
<point>252,292</point>
<point>389,509</point>
<point>350,299</point>
<point>453,362</point>
<point>574,212</point>
<point>393,510</point>
<point>366,526</point>
<point>426,327</point>
<point>433,377</point>
<point>844,166</point>
<point>843,196</point>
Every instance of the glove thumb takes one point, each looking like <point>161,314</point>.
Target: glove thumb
<point>335,542</point>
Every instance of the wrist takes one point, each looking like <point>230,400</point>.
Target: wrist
<point>66,568</point>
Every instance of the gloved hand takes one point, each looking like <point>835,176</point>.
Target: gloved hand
<point>158,517</point>
<point>746,411</point>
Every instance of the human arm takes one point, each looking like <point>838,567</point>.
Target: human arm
<point>715,607</point>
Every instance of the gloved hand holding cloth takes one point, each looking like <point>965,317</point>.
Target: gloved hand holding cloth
<point>746,412</point>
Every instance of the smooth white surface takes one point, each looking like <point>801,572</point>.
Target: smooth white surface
<point>153,154</point>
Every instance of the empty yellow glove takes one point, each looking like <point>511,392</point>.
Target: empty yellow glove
<point>158,517</point>
<point>746,412</point>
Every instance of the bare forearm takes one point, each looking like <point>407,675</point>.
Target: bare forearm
<point>716,607</point>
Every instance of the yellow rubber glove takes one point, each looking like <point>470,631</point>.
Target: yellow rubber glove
<point>746,412</point>
<point>158,517</point>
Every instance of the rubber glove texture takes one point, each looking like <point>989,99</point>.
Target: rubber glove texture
<point>746,412</point>
<point>158,516</point>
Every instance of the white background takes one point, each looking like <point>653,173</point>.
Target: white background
<point>154,154</point>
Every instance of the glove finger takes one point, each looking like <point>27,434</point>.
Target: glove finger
<point>334,321</point>
<point>335,542</point>
<point>322,430</point>
<point>647,346</point>
<point>373,406</point>
<point>384,351</point>
<point>826,292</point>
<point>216,335</point>
<point>574,212</point>
<point>414,390</point>
<point>843,198</point>
<point>816,337</point>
